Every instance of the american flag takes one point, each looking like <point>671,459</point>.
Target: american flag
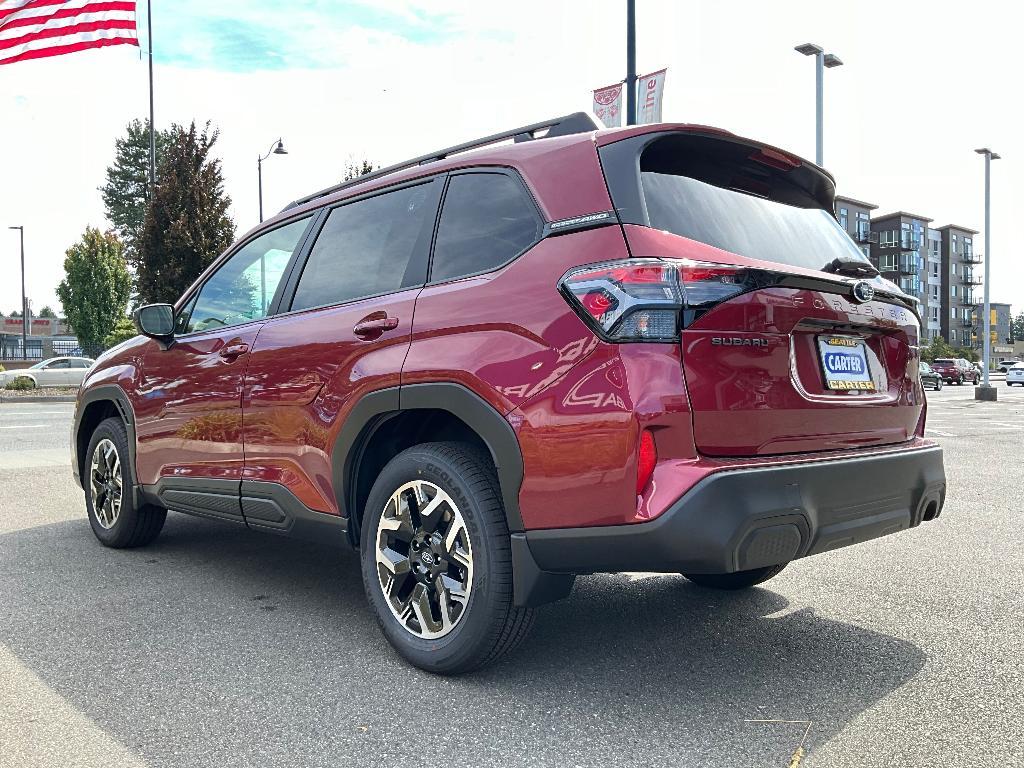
<point>32,29</point>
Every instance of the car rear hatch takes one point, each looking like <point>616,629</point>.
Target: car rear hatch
<point>790,341</point>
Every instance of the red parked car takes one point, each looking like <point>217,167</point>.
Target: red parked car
<point>956,371</point>
<point>507,363</point>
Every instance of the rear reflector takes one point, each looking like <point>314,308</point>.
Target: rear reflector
<point>649,299</point>
<point>647,457</point>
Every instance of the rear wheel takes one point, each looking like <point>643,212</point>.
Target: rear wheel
<point>108,481</point>
<point>737,580</point>
<point>437,560</point>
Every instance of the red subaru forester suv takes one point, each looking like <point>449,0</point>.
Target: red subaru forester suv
<point>553,351</point>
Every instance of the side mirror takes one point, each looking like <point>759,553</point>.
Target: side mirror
<point>155,321</point>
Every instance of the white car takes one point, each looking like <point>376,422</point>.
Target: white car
<point>55,372</point>
<point>1006,365</point>
<point>1015,375</point>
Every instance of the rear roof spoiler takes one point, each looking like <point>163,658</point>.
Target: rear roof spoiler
<point>566,125</point>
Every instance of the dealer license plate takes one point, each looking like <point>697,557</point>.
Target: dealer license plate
<point>844,362</point>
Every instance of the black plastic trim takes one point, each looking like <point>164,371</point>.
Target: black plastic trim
<point>273,508</point>
<point>213,498</point>
<point>109,393</point>
<point>376,407</point>
<point>530,585</point>
<point>741,519</point>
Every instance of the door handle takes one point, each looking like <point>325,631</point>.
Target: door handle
<point>233,350</point>
<point>375,326</point>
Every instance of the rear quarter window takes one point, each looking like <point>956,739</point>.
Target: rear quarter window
<point>487,219</point>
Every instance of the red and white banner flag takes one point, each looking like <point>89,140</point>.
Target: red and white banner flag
<point>651,89</point>
<point>33,29</point>
<point>608,105</point>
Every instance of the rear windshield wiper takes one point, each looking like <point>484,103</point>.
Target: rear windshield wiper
<point>851,267</point>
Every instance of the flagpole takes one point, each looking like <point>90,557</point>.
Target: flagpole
<point>152,124</point>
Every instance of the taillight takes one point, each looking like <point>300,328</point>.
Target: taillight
<point>649,299</point>
<point>647,457</point>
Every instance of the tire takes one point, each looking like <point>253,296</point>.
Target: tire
<point>938,385</point>
<point>737,580</point>
<point>118,525</point>
<point>468,550</point>
<point>960,381</point>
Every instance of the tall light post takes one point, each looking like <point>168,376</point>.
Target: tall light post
<point>822,60</point>
<point>985,391</point>
<point>630,62</point>
<point>24,301</point>
<point>276,148</point>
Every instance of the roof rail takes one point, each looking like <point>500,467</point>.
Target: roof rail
<point>577,122</point>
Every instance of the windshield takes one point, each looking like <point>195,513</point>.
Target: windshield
<point>40,364</point>
<point>746,225</point>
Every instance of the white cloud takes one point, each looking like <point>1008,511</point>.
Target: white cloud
<point>923,85</point>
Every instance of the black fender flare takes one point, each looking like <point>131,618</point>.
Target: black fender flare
<point>104,393</point>
<point>375,407</point>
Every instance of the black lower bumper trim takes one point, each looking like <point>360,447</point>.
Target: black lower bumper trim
<point>742,519</point>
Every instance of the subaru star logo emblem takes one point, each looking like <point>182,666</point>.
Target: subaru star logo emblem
<point>863,291</point>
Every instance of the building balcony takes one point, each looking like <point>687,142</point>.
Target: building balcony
<point>967,322</point>
<point>968,300</point>
<point>904,241</point>
<point>970,257</point>
<point>864,234</point>
<point>972,279</point>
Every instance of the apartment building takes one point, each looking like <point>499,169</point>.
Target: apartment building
<point>961,292</point>
<point>1001,319</point>
<point>899,248</point>
<point>855,217</point>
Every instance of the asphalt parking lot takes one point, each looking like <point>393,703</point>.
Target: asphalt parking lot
<point>221,647</point>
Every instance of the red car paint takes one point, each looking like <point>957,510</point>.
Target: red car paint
<point>577,403</point>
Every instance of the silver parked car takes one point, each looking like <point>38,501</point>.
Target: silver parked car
<point>55,372</point>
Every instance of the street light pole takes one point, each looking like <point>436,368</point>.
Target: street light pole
<point>821,61</point>
<point>276,148</point>
<point>985,391</point>
<point>24,300</point>
<point>630,62</point>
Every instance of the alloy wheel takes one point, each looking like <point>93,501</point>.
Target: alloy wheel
<point>424,559</point>
<point>105,483</point>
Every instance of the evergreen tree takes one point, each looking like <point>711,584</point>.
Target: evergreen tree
<point>186,225</point>
<point>48,313</point>
<point>95,288</point>
<point>1017,327</point>
<point>127,188</point>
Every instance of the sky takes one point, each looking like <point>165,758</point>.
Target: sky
<point>923,84</point>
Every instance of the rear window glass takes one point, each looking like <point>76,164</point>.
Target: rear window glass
<point>717,193</point>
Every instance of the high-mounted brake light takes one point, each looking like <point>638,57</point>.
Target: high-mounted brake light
<point>649,299</point>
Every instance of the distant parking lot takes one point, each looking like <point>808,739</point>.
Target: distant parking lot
<point>218,646</point>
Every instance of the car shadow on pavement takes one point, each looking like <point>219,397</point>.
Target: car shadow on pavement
<point>217,646</point>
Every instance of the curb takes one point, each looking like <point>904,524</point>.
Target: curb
<point>55,399</point>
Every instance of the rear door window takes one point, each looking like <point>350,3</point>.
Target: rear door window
<point>370,247</point>
<point>486,221</point>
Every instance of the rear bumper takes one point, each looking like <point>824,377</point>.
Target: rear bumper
<point>750,518</point>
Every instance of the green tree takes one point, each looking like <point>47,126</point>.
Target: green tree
<point>127,187</point>
<point>95,288</point>
<point>48,312</point>
<point>186,225</point>
<point>354,170</point>
<point>123,330</point>
<point>15,313</point>
<point>1017,327</point>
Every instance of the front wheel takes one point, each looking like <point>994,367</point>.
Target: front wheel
<point>737,580</point>
<point>108,481</point>
<point>938,385</point>
<point>437,560</point>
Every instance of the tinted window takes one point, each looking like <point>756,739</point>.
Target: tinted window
<point>243,288</point>
<point>487,220</point>
<point>57,364</point>
<point>79,363</point>
<point>762,204</point>
<point>369,247</point>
